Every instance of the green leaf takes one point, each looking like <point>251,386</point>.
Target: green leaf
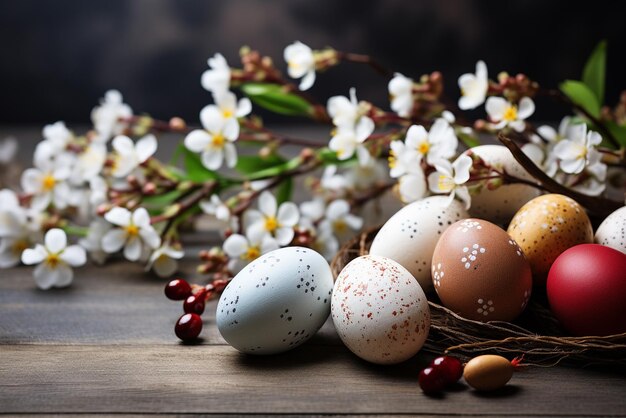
<point>582,95</point>
<point>283,191</point>
<point>594,73</point>
<point>195,170</point>
<point>328,157</point>
<point>250,164</point>
<point>276,170</point>
<point>470,141</point>
<point>618,131</point>
<point>161,200</point>
<point>273,98</point>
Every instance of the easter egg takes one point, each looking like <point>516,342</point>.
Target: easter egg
<point>587,290</point>
<point>545,227</point>
<point>480,272</point>
<point>409,237</point>
<point>379,310</point>
<point>276,302</point>
<point>612,231</point>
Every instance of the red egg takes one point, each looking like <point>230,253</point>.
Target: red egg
<point>587,290</point>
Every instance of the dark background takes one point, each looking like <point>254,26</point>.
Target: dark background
<point>59,57</point>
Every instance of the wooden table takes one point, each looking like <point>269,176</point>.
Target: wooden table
<point>106,346</point>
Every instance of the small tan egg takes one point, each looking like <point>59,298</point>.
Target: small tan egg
<point>545,227</point>
<point>481,273</point>
<point>488,372</point>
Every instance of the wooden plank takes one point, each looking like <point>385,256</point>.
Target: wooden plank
<point>217,379</point>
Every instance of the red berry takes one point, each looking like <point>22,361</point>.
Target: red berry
<point>195,303</point>
<point>450,367</point>
<point>432,380</point>
<point>177,289</point>
<point>188,327</point>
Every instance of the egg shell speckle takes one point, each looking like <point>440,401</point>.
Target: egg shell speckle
<point>277,302</point>
<point>409,237</point>
<point>379,310</point>
<point>499,205</point>
<point>480,272</point>
<point>612,231</point>
<point>545,227</point>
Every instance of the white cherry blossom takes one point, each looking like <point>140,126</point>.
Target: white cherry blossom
<point>215,206</point>
<point>89,163</point>
<point>244,249</point>
<point>325,241</point>
<point>363,176</point>
<point>129,155</point>
<point>333,181</point>
<point>503,113</point>
<point>300,64</point>
<point>93,241</point>
<point>349,113</point>
<point>217,78</point>
<point>340,218</point>
<point>271,219</point>
<point>47,183</point>
<point>164,260</point>
<point>474,87</point>
<point>401,95</point>
<point>227,103</point>
<point>55,260</point>
<point>346,142</point>
<point>451,178</point>
<point>133,233</point>
<point>19,229</point>
<point>106,117</point>
<point>214,143</point>
<point>403,159</point>
<point>440,143</point>
<point>578,151</point>
<point>57,135</point>
<point>412,186</point>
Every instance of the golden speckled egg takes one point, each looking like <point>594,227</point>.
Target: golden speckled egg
<point>481,273</point>
<point>545,227</point>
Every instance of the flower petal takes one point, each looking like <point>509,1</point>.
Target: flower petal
<point>55,240</point>
<point>353,221</point>
<point>230,154</point>
<point>118,216</point>
<point>212,158</point>
<point>267,204</point>
<point>495,107</point>
<point>307,81</point>
<point>150,237</point>
<point>165,266</point>
<point>268,244</point>
<point>211,118</point>
<point>337,209</point>
<point>132,250</point>
<point>141,218</point>
<point>44,277</point>
<point>526,108</point>
<point>235,245</point>
<point>197,140</point>
<point>231,129</point>
<point>284,235</point>
<point>364,128</point>
<point>288,214</point>
<point>461,167</point>
<point>464,195</point>
<point>113,240</point>
<point>74,255</point>
<point>64,275</point>
<point>146,147</point>
<point>123,145</point>
<point>34,255</point>
<point>244,107</point>
<point>31,180</point>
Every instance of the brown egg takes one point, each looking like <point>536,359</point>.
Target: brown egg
<point>488,372</point>
<point>545,227</point>
<point>481,273</point>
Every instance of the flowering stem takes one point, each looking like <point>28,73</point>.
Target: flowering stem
<point>599,205</point>
<point>364,59</point>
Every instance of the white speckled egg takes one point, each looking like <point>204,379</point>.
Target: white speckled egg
<point>379,310</point>
<point>277,302</point>
<point>409,237</point>
<point>612,231</point>
<point>499,205</point>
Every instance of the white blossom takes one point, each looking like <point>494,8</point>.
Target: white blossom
<point>19,229</point>
<point>217,78</point>
<point>89,163</point>
<point>503,113</point>
<point>412,186</point>
<point>92,242</point>
<point>440,143</point>
<point>272,220</point>
<point>8,150</point>
<point>57,135</point>
<point>340,218</point>
<point>129,155</point>
<point>300,64</point>
<point>46,182</point>
<point>474,87</point>
<point>215,206</point>
<point>55,260</point>
<point>312,212</point>
<point>134,232</point>
<point>578,151</point>
<point>244,249</point>
<point>403,159</point>
<point>106,117</point>
<point>363,176</point>
<point>331,180</point>
<point>227,103</point>
<point>401,94</point>
<point>451,178</point>
<point>347,142</point>
<point>215,142</point>
<point>325,241</point>
<point>164,260</point>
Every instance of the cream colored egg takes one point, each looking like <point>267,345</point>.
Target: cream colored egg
<point>499,205</point>
<point>379,310</point>
<point>409,237</point>
<point>612,231</point>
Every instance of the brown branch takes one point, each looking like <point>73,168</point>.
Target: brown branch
<point>365,59</point>
<point>598,205</point>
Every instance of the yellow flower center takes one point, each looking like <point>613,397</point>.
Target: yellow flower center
<point>340,226</point>
<point>423,147</point>
<point>19,246</point>
<point>252,253</point>
<point>48,182</point>
<point>227,113</point>
<point>582,153</point>
<point>271,223</point>
<point>53,260</point>
<point>294,65</point>
<point>510,114</point>
<point>445,183</point>
<point>392,159</point>
<point>218,141</point>
<point>132,230</point>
